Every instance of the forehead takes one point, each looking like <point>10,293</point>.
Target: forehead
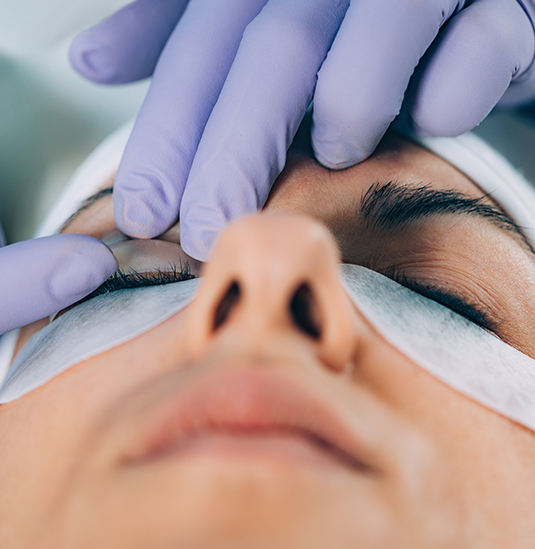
<point>316,190</point>
<point>305,186</point>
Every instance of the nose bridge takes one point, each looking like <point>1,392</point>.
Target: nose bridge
<point>270,273</point>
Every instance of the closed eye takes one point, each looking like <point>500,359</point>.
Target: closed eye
<point>127,280</point>
<point>474,312</point>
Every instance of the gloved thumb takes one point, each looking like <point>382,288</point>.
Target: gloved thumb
<point>42,276</point>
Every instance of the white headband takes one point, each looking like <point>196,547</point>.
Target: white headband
<point>489,169</point>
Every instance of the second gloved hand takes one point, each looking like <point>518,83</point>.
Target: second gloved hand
<point>232,80</point>
<point>42,276</point>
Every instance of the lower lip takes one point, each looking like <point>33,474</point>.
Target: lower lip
<point>273,447</point>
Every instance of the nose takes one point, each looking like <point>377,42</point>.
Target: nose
<point>271,274</point>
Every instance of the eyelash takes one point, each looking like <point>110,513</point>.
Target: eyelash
<point>126,280</point>
<point>472,312</point>
<point>122,280</point>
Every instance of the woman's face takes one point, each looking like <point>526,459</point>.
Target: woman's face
<point>270,413</point>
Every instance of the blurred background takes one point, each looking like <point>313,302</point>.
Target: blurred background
<point>50,117</point>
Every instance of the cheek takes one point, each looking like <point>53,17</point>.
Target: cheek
<point>471,447</point>
<point>123,369</point>
<point>417,396</point>
<point>49,429</point>
<point>49,426</point>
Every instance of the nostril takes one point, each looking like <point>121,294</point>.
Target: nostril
<point>304,311</point>
<point>227,303</point>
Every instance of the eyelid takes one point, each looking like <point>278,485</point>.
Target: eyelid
<point>124,281</point>
<point>114,237</point>
<point>474,312</point>
<point>151,255</point>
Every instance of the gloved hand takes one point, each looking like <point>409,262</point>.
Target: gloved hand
<point>232,80</point>
<point>42,276</point>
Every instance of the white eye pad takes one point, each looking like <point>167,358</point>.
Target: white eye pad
<point>455,350</point>
<point>91,328</point>
<point>445,344</point>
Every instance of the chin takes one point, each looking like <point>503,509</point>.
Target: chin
<point>219,503</point>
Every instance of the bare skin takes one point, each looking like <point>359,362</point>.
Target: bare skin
<point>89,464</point>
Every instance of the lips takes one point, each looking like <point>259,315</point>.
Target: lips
<point>247,406</point>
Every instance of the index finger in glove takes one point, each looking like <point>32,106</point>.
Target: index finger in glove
<point>42,276</point>
<point>362,83</point>
<point>267,92</point>
<point>186,84</point>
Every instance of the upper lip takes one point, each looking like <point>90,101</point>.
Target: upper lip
<point>246,400</point>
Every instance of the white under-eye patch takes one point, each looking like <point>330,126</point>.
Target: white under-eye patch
<point>455,350</point>
<point>89,329</point>
<point>461,354</point>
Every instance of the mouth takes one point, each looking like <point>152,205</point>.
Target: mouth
<point>247,414</point>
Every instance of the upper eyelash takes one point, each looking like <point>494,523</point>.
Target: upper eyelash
<point>122,280</point>
<point>472,312</point>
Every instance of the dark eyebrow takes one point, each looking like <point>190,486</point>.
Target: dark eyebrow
<point>393,206</point>
<point>87,203</point>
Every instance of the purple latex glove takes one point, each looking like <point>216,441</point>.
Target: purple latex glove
<point>235,77</point>
<point>42,276</point>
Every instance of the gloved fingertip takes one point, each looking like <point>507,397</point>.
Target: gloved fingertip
<point>335,165</point>
<point>197,240</point>
<point>337,148</point>
<point>92,60</point>
<point>139,216</point>
<point>429,125</point>
<point>338,160</point>
<point>87,263</point>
